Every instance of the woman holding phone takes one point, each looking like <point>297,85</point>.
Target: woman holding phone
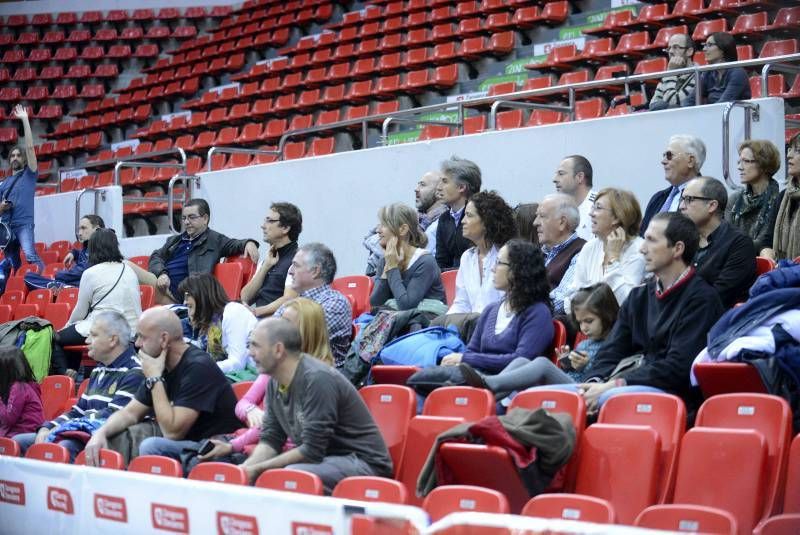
<point>612,256</point>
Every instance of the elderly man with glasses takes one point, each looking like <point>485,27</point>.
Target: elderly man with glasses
<point>195,250</point>
<point>726,257</point>
<point>675,91</point>
<point>681,161</point>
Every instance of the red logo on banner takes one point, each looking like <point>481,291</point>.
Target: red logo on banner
<point>299,528</point>
<point>231,524</point>
<point>169,518</point>
<point>110,508</point>
<point>12,492</point>
<point>59,500</point>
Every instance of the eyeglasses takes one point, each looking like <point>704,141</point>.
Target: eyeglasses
<point>748,161</point>
<point>669,155</point>
<point>688,199</point>
<point>709,44</point>
<point>190,217</point>
<point>268,220</point>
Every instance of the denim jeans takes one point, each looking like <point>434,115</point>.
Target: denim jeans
<point>166,447</point>
<point>25,441</point>
<point>23,238</point>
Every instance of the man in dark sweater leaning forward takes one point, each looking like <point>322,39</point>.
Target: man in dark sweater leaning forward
<point>666,320</point>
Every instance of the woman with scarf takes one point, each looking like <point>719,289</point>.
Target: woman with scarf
<point>786,241</point>
<point>754,208</point>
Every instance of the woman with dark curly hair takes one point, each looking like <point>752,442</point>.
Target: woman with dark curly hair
<point>519,326</point>
<point>488,223</point>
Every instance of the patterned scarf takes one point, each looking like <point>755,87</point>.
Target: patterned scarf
<point>748,202</point>
<point>787,226</point>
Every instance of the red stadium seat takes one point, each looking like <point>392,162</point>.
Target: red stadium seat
<point>219,472</point>
<point>289,480</point>
<point>108,459</point>
<point>156,465</point>
<point>779,525</point>
<point>56,389</point>
<point>392,407</point>
<point>9,447</point>
<point>453,498</point>
<point>570,507</point>
<point>471,404</point>
<point>47,451</point>
<point>695,518</point>
<point>371,489</point>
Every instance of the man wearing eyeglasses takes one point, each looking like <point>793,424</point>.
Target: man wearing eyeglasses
<point>196,250</point>
<point>681,161</point>
<point>726,258</point>
<point>674,91</point>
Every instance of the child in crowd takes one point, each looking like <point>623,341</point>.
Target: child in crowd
<point>20,396</point>
<point>595,310</point>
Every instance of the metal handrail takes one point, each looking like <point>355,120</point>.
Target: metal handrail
<point>188,192</point>
<point>772,67</point>
<point>751,112</point>
<point>389,120</point>
<point>519,95</point>
<point>238,150</point>
<point>97,193</point>
<point>515,104</point>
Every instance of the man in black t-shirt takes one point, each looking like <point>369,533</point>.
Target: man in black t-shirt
<point>184,388</point>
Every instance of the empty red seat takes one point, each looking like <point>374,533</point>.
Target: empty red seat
<point>778,48</point>
<point>694,518</point>
<point>705,28</point>
<point>571,507</point>
<point>453,498</point>
<point>749,25</point>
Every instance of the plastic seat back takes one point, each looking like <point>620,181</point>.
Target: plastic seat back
<point>619,463</point>
<point>230,275</point>
<point>449,283</point>
<point>371,489</point>
<point>726,469</point>
<point>9,447</point>
<point>466,402</point>
<point>47,451</point>
<point>694,518</point>
<point>359,286</point>
<point>156,465</point>
<point>779,525</point>
<point>791,499</point>
<point>422,433</point>
<point>455,498</point>
<point>108,459</point>
<point>291,481</point>
<point>219,472</point>
<point>664,413</point>
<point>240,389</point>
<point>559,401</point>
<point>571,507</point>
<point>392,407</point>
<point>56,390</point>
<point>769,415</point>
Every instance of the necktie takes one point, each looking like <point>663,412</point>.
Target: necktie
<point>672,193</point>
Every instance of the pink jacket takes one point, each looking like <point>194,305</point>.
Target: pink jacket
<point>253,398</point>
<point>23,413</point>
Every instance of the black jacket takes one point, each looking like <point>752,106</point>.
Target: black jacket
<point>206,253</point>
<point>669,330</point>
<point>653,206</point>
<point>728,263</point>
<point>450,242</point>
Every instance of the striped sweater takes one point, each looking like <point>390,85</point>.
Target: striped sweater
<point>110,388</point>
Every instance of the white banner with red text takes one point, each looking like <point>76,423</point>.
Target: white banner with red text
<point>52,498</point>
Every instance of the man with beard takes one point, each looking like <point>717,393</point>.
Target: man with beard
<point>16,197</point>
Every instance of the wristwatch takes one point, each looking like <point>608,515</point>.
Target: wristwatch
<point>150,382</point>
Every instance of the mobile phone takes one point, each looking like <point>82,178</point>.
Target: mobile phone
<point>205,447</point>
<point>565,363</point>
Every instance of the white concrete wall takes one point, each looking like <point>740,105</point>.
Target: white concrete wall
<point>54,215</point>
<point>340,194</point>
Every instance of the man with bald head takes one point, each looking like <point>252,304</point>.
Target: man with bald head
<point>184,389</point>
<point>312,404</point>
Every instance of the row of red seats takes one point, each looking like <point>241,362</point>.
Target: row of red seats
<point>125,116</point>
<point>101,35</point>
<point>652,16</point>
<point>68,54</point>
<point>67,18</point>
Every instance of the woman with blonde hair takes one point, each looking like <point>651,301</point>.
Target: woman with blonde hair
<point>408,274</point>
<point>309,318</point>
<point>754,208</point>
<point>612,256</point>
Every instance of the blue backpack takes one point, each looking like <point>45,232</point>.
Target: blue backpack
<point>423,348</point>
<point>5,271</point>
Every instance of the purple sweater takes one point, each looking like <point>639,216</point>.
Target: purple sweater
<point>529,335</point>
<point>23,412</point>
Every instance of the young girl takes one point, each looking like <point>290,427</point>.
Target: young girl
<point>20,397</point>
<point>595,310</point>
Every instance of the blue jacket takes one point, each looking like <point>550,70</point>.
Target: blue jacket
<point>72,276</point>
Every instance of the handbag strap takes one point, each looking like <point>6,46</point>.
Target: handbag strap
<point>93,306</point>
